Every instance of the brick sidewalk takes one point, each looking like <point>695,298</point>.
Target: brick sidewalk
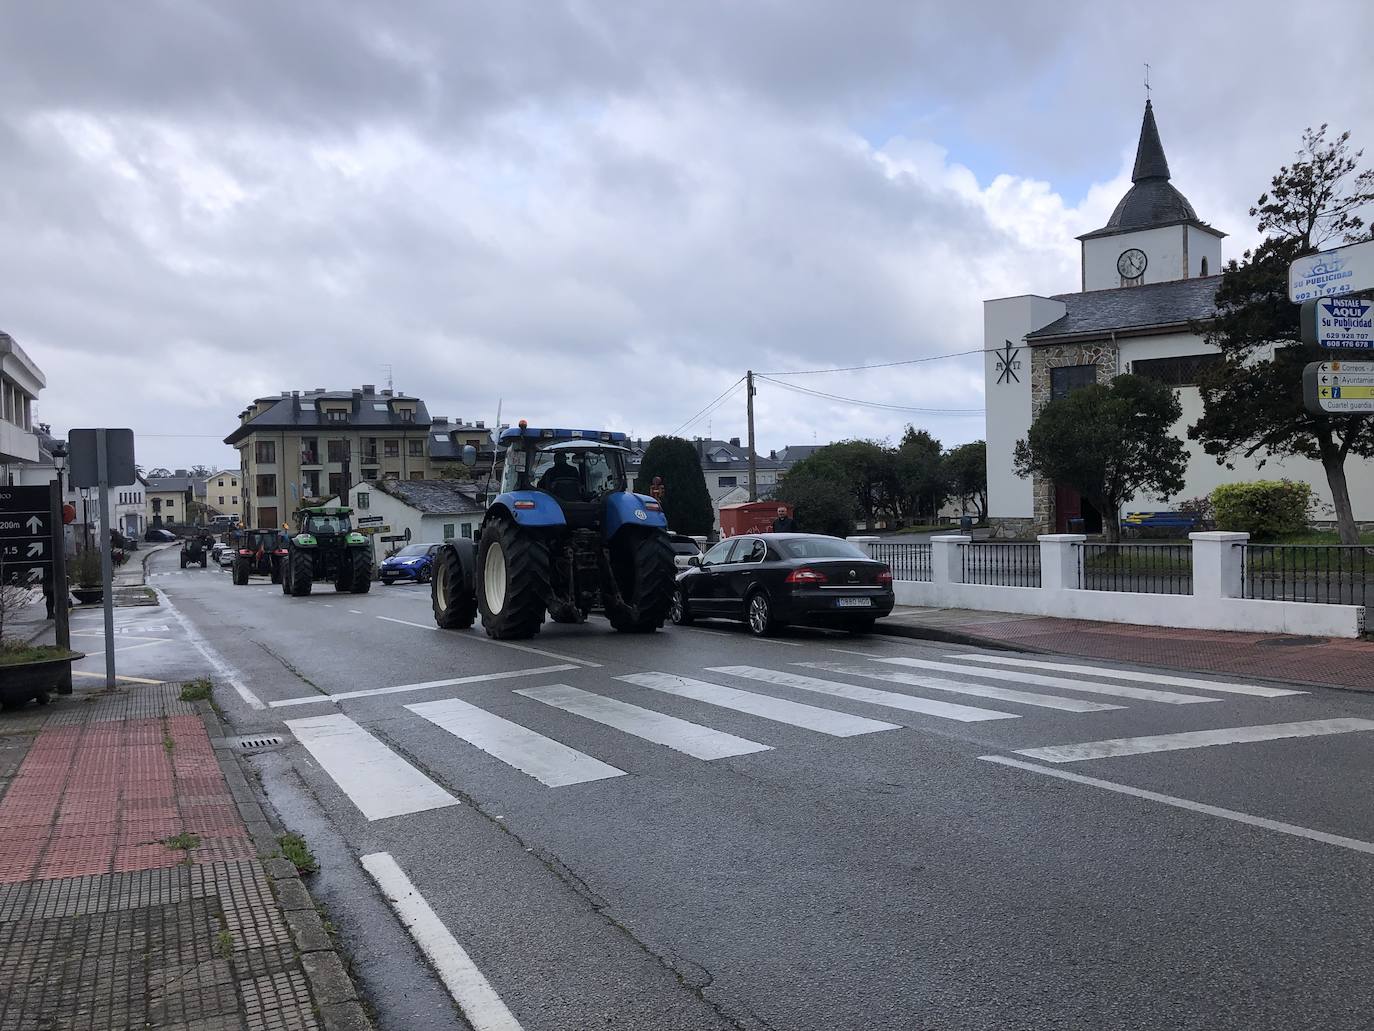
<point>1329,662</point>
<point>131,893</point>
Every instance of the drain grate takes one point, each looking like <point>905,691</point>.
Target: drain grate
<point>248,743</point>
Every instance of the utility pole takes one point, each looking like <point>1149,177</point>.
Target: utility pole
<point>753,471</point>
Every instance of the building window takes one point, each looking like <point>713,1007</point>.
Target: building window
<point>265,452</point>
<point>338,450</point>
<point>1203,271</point>
<point>310,484</point>
<point>728,481</point>
<point>233,483</point>
<point>336,484</point>
<point>336,415</point>
<point>1065,380</point>
<point>221,501</point>
<point>391,449</point>
<point>267,518</point>
<point>417,475</point>
<point>415,448</point>
<point>406,414</point>
<point>369,474</point>
<point>220,482</point>
<point>1183,371</point>
<point>393,474</point>
<point>167,503</point>
<point>267,485</point>
<point>467,530</point>
<point>363,500</point>
<point>473,442</point>
<point>448,531</point>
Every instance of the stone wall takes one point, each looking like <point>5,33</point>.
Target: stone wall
<point>1102,353</point>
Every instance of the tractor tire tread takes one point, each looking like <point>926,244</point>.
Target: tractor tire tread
<point>650,556</point>
<point>527,581</point>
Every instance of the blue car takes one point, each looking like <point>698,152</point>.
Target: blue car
<point>414,562</point>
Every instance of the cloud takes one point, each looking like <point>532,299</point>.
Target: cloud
<point>595,213</point>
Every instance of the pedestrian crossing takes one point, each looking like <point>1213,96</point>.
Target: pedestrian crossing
<point>781,698</point>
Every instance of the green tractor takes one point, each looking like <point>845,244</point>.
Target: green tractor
<point>326,547</point>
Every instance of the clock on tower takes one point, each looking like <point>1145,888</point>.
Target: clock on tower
<point>1131,264</point>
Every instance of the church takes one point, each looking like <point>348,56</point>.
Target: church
<point>1152,269</point>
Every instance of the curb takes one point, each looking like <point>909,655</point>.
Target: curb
<point>337,1000</point>
<point>926,633</point>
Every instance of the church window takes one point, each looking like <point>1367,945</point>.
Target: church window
<point>1066,380</point>
<point>1182,371</point>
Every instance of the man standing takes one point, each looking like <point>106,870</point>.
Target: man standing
<point>784,523</point>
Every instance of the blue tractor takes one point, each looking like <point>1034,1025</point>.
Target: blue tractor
<point>563,537</point>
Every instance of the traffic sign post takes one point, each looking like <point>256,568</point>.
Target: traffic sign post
<point>100,457</point>
<point>1338,388</point>
<point>1339,322</point>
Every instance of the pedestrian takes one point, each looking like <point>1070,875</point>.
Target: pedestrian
<point>784,523</point>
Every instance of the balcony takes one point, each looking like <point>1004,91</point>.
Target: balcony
<point>310,460</point>
<point>369,457</point>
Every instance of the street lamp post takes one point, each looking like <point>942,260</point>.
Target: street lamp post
<point>61,624</point>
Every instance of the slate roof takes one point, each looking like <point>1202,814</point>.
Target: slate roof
<point>794,453</point>
<point>446,439</point>
<point>434,497</point>
<point>298,411</point>
<point>1152,201</point>
<point>179,484</point>
<point>1131,309</point>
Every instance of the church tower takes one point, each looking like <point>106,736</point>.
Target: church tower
<point>1154,235</point>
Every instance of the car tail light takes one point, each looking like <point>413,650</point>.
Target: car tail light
<point>805,575</point>
<point>244,551</point>
<point>885,576</point>
<point>282,551</point>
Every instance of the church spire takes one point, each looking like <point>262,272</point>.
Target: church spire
<point>1149,152</point>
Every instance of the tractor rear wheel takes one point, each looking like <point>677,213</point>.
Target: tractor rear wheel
<point>361,563</point>
<point>301,572</point>
<point>276,571</point>
<point>512,580</point>
<point>642,565</point>
<point>240,571</point>
<point>451,592</point>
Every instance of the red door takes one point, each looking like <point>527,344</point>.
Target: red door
<point>1068,504</point>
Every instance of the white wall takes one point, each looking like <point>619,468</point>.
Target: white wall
<point>1009,403</point>
<point>1164,251</point>
<point>425,528</point>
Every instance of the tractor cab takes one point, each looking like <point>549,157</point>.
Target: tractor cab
<point>325,522</point>
<point>577,473</point>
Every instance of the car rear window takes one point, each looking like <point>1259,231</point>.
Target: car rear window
<point>818,547</point>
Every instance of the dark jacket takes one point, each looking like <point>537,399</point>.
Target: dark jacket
<point>784,524</point>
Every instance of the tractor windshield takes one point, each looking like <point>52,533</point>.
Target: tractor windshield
<point>570,471</point>
<point>327,524</point>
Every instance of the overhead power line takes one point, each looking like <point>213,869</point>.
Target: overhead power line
<point>881,365</point>
<point>870,404</point>
<point>725,396</point>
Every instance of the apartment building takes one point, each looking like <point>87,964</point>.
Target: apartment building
<point>305,446</point>
<point>223,494</point>
<point>20,382</point>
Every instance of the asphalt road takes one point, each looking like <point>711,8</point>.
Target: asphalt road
<point>796,853</point>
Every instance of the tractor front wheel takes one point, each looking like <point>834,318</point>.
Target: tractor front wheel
<point>301,572</point>
<point>451,591</point>
<point>644,574</point>
<point>512,580</point>
<point>361,577</point>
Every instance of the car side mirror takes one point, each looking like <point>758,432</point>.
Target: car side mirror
<point>695,560</point>
<point>469,456</point>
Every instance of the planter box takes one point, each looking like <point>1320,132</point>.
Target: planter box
<point>89,595</point>
<point>22,681</point>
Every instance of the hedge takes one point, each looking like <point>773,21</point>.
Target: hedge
<point>1264,509</point>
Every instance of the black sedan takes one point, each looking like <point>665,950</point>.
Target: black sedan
<point>771,579</point>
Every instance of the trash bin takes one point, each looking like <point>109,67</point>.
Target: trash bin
<point>966,522</point>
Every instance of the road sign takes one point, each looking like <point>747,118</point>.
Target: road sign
<point>26,540</point>
<point>1338,388</point>
<point>371,520</point>
<point>394,537</point>
<point>84,466</point>
<point>1345,270</point>
<point>1338,322</point>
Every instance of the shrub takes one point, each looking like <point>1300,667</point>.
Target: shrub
<point>1264,509</point>
<point>1202,510</point>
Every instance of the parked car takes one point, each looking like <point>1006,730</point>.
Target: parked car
<point>217,550</point>
<point>123,541</point>
<point>769,580</point>
<point>225,555</point>
<point>159,535</point>
<point>683,549</point>
<point>414,562</point>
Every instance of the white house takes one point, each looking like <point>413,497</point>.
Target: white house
<point>20,382</point>
<point>432,510</point>
<point>1146,275</point>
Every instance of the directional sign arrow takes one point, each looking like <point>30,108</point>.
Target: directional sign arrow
<point>35,549</point>
<point>34,524</point>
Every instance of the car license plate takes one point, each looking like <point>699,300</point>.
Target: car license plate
<point>853,603</point>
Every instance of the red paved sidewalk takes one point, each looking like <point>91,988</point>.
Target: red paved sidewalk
<point>1332,662</point>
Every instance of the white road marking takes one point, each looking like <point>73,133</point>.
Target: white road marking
<point>1182,803</point>
<point>222,669</point>
<point>679,735</point>
<point>546,760</point>
<point>742,637</point>
<point>478,678</point>
<point>781,710</point>
<point>890,699</point>
<point>375,779</point>
<point>1089,686</point>
<point>356,612</point>
<point>1194,739</point>
<point>504,644</point>
<point>131,680</point>
<point>469,987</point>
<point>1127,674</point>
<point>1004,694</point>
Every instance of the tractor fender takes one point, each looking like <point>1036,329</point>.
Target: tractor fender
<point>531,508</point>
<point>626,509</point>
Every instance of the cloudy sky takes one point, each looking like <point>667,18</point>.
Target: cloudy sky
<point>600,213</point>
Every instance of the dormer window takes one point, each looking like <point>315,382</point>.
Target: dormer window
<point>406,414</point>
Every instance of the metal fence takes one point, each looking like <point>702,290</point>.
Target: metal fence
<point>1331,574</point>
<point>907,561</point>
<point>1140,568</point>
<point>1001,565</point>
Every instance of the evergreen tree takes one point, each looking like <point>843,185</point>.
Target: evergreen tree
<point>686,501</point>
